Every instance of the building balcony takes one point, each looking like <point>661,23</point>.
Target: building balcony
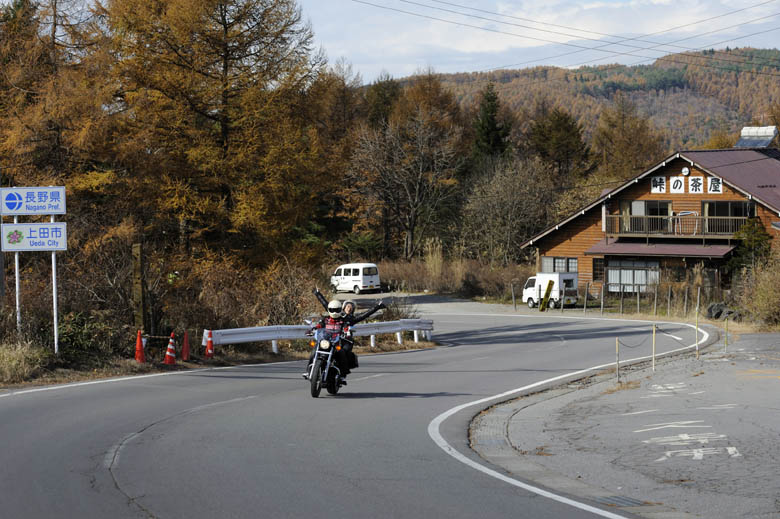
<point>678,226</point>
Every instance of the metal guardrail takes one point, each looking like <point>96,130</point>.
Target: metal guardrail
<point>275,333</point>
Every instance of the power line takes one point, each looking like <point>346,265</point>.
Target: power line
<point>621,39</point>
<point>609,44</point>
<point>668,59</point>
<point>615,53</point>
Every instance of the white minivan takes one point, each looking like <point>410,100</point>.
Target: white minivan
<point>536,286</point>
<point>355,277</point>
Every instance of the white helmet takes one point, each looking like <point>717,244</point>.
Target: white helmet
<point>334,308</point>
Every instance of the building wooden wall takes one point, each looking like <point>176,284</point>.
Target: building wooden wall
<point>585,231</point>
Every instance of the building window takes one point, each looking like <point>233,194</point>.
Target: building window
<point>553,264</point>
<point>598,269</point>
<point>631,275</point>
<point>729,209</point>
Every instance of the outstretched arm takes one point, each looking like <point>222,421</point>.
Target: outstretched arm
<point>368,313</point>
<point>320,298</point>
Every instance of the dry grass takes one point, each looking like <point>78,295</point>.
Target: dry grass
<point>462,277</point>
<point>621,386</point>
<point>21,361</point>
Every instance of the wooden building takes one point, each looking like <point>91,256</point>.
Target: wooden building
<point>679,213</point>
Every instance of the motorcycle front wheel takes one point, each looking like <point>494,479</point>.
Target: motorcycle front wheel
<point>332,384</point>
<point>316,379</point>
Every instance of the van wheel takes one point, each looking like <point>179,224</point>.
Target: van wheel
<point>356,289</point>
<point>531,303</point>
<point>334,289</point>
<point>551,304</point>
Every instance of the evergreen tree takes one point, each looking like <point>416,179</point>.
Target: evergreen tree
<point>380,99</point>
<point>556,138</point>
<point>491,135</point>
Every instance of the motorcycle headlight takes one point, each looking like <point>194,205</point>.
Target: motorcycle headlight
<point>324,344</point>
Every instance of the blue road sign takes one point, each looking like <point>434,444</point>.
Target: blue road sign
<point>32,200</point>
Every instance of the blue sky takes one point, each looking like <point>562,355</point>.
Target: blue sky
<point>373,39</point>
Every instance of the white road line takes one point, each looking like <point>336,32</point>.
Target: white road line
<point>697,393</point>
<point>672,336</point>
<point>435,434</point>
<point>368,377</point>
<point>136,377</point>
<point>640,412</point>
<point>673,425</point>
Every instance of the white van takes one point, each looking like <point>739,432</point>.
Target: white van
<point>536,286</point>
<point>355,277</point>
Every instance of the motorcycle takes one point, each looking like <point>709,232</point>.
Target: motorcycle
<point>324,370</point>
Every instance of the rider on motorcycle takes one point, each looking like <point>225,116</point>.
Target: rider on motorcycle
<point>341,316</point>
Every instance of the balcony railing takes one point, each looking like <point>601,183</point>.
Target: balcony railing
<point>670,226</point>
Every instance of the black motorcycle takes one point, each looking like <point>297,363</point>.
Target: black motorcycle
<point>324,370</point>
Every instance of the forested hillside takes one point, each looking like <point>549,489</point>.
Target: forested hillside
<point>689,97</point>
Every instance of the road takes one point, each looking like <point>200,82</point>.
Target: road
<point>250,441</point>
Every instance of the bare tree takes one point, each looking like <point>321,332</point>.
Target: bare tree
<point>408,169</point>
<point>509,203</point>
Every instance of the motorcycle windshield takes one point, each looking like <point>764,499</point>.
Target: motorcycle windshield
<point>331,336</point>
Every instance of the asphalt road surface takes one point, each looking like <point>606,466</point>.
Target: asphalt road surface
<point>251,442</point>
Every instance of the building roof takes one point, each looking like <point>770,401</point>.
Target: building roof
<point>776,225</point>
<point>677,250</point>
<point>753,172</point>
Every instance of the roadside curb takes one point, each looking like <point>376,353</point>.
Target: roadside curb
<point>489,438</point>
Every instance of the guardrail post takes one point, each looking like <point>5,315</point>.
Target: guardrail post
<point>416,336</point>
<point>636,287</point>
<point>617,358</point>
<point>398,337</point>
<point>373,341</point>
<point>655,301</point>
<point>602,296</point>
<point>275,346</point>
<point>653,346</point>
<point>585,304</point>
<point>514,302</point>
<point>429,335</point>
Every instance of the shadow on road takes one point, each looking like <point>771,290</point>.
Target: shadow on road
<point>538,333</point>
<point>399,395</point>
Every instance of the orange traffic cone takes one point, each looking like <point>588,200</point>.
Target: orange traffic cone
<point>185,347</point>
<point>139,349</point>
<point>170,355</point>
<point>209,345</point>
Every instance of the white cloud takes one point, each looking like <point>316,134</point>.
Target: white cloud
<point>374,39</point>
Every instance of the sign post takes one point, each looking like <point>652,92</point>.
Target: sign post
<point>43,236</point>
